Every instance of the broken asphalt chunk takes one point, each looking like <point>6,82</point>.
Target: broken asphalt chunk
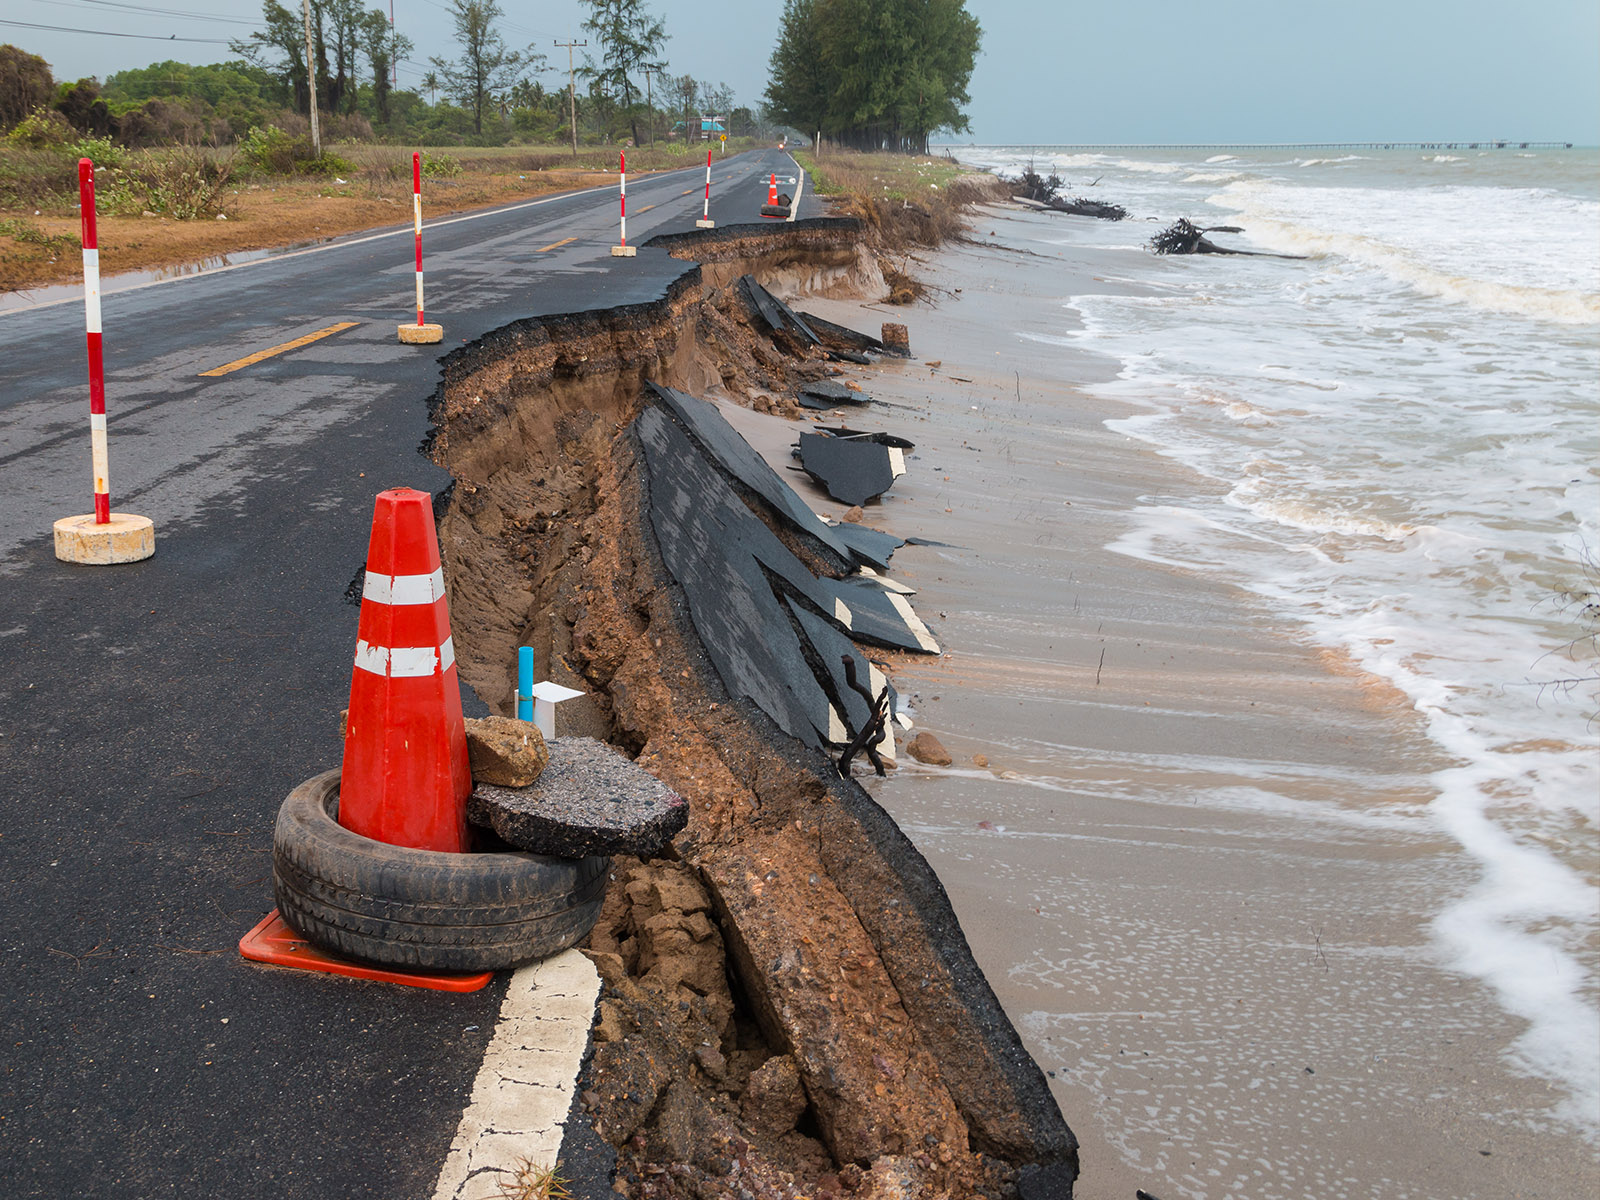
<point>871,546</point>
<point>833,393</point>
<point>883,439</point>
<point>749,472</point>
<point>850,470</point>
<point>838,338</point>
<point>778,315</point>
<point>725,561</point>
<point>883,615</point>
<point>589,800</point>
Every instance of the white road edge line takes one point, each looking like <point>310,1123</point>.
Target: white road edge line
<point>524,1089</point>
<point>799,186</point>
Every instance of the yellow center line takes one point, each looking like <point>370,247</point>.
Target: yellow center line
<point>645,209</point>
<point>251,359</point>
<point>555,245</point>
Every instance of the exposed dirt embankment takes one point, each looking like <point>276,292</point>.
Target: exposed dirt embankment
<point>822,256</point>
<point>790,1007</point>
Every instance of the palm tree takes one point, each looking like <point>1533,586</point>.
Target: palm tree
<point>431,82</point>
<point>526,94</point>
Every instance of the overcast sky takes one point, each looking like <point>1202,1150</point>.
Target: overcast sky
<point>1051,71</point>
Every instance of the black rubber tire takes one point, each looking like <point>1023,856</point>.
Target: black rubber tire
<point>422,909</point>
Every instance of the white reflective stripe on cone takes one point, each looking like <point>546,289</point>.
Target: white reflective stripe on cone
<point>404,589</point>
<point>405,662</point>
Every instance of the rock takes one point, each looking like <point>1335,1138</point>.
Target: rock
<point>853,514</point>
<point>681,950</point>
<point>344,722</point>
<point>980,760</point>
<point>835,1005</point>
<point>774,1098</point>
<point>677,1127</point>
<point>656,928</point>
<point>608,1026</point>
<point>589,800</point>
<point>711,1061</point>
<point>896,336</point>
<point>505,751</point>
<point>926,748</point>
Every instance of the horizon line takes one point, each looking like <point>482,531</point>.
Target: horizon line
<point>1374,144</point>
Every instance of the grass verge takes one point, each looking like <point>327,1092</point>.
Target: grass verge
<point>905,203</point>
<point>170,208</point>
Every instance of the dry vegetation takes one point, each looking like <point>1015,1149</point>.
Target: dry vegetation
<point>168,209</point>
<point>906,203</point>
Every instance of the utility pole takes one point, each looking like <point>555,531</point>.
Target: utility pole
<point>572,92</point>
<point>311,80</point>
<point>394,59</point>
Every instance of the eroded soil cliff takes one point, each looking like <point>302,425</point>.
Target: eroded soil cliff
<point>790,1008</point>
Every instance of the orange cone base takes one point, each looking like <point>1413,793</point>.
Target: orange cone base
<point>272,941</point>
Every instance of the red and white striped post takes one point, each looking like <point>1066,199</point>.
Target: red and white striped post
<point>97,370</point>
<point>624,250</point>
<point>420,333</point>
<point>101,536</point>
<point>705,222</point>
<point>416,223</point>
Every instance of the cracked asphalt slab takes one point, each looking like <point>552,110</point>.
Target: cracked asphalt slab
<point>153,715</point>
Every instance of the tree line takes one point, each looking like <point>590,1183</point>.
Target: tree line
<point>489,92</point>
<point>874,74</point>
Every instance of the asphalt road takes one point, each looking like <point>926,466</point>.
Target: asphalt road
<point>153,715</point>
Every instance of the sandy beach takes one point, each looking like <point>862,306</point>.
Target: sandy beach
<point>1171,829</point>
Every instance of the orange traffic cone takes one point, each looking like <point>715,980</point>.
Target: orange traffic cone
<point>405,779</point>
<point>772,192</point>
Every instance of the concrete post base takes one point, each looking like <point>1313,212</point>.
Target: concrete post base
<point>705,223</point>
<point>126,538</point>
<point>421,335</point>
<point>624,251</point>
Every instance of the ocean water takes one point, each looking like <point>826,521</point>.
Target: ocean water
<point>1405,426</point>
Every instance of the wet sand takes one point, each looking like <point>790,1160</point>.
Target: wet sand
<point>1193,868</point>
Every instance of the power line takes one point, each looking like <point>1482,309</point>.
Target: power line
<point>165,12</point>
<point>445,8</point>
<point>149,37</point>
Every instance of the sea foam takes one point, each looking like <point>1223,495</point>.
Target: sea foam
<point>1402,432</point>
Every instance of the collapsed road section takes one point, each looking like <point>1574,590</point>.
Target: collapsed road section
<point>790,1007</point>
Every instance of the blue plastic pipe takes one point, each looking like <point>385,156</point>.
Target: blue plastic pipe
<point>525,683</point>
